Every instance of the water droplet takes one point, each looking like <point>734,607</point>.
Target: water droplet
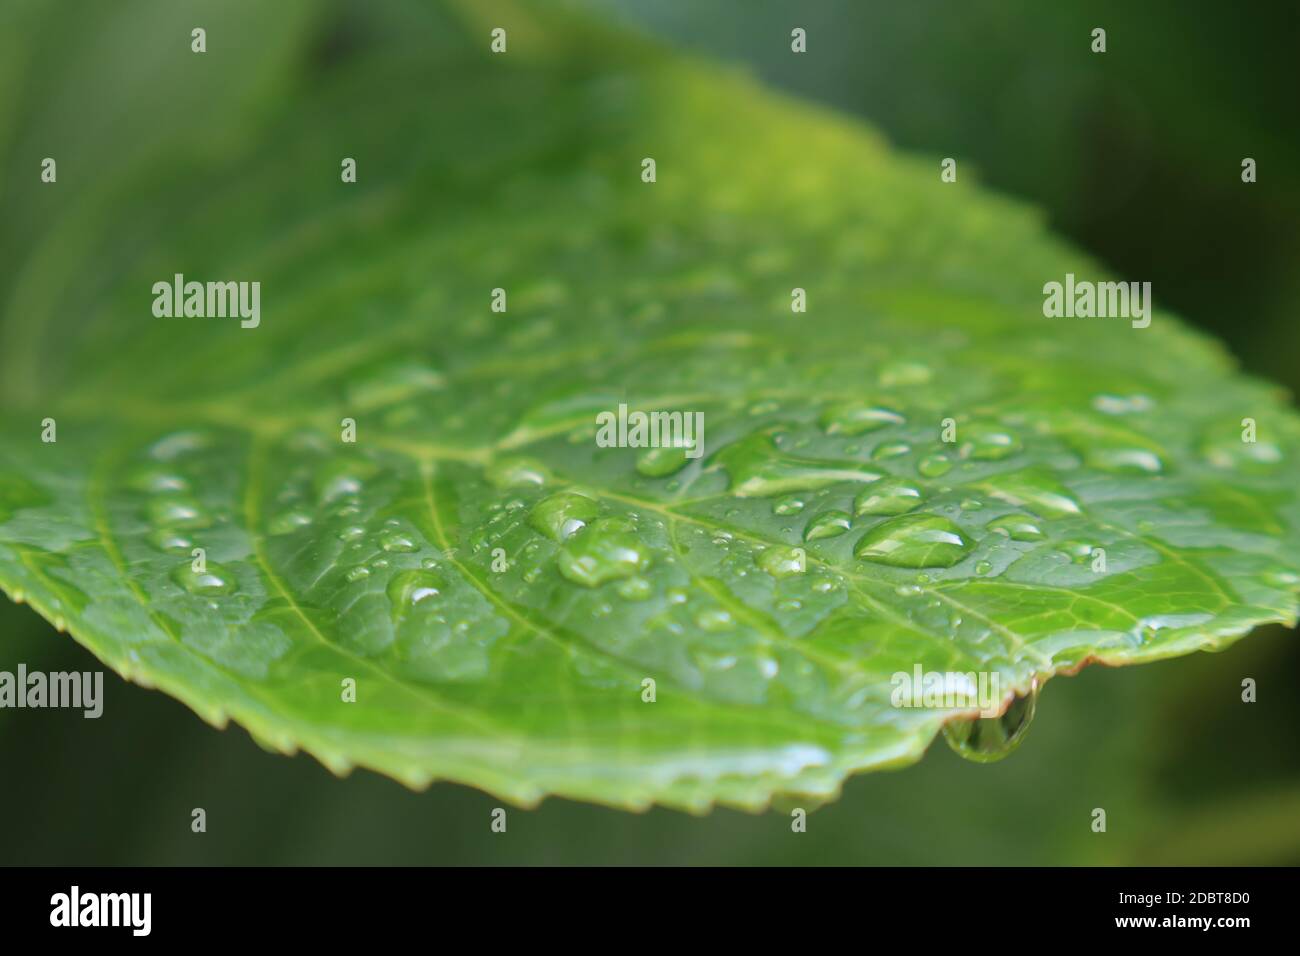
<point>789,505</point>
<point>934,466</point>
<point>409,588</point>
<point>662,461</point>
<point>634,589</point>
<point>714,620</point>
<point>971,504</point>
<point>1124,461</point>
<point>289,522</point>
<point>890,449</point>
<point>608,550</point>
<point>213,581</point>
<point>562,515</point>
<point>178,513</point>
<point>986,739</point>
<point>904,372</point>
<point>985,442</point>
<point>171,541</point>
<point>914,541</point>
<point>1016,527</point>
<point>1122,404</point>
<point>157,480</point>
<point>828,524</point>
<point>396,542</point>
<point>359,573</point>
<point>1033,488</point>
<point>758,469</point>
<point>386,382</point>
<point>983,567</point>
<point>893,496</point>
<point>782,562</point>
<point>516,473</point>
<point>853,419</point>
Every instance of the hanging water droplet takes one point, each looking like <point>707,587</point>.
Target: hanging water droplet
<point>892,496</point>
<point>914,541</point>
<point>986,739</point>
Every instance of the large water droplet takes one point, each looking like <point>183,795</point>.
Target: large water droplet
<point>986,739</point>
<point>893,496</point>
<point>608,550</point>
<point>560,516</point>
<point>914,541</point>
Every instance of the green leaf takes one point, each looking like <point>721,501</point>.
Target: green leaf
<point>497,584</point>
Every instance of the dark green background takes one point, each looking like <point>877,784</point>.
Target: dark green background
<point>1135,155</point>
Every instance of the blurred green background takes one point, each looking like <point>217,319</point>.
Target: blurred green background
<point>1135,155</point>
